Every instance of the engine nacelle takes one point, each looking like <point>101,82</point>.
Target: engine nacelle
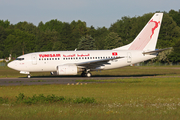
<point>67,70</point>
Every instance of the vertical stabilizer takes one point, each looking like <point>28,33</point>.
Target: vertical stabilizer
<point>147,38</point>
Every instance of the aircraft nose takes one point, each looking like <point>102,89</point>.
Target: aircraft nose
<point>11,65</point>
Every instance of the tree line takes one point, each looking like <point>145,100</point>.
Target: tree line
<point>54,35</point>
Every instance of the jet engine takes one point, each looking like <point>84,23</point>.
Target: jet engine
<point>67,70</point>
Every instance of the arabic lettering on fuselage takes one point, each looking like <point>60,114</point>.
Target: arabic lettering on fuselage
<point>82,55</point>
<point>78,55</point>
<point>69,55</point>
<point>64,55</point>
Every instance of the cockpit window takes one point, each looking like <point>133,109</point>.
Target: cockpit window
<point>19,58</point>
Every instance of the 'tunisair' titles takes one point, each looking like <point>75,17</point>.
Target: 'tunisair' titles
<point>49,55</point>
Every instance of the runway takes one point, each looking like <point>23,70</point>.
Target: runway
<point>62,80</point>
<point>44,80</point>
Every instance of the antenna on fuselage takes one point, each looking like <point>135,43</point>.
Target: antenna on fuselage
<point>75,49</point>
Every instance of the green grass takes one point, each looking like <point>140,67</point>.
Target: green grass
<point>156,79</point>
<point>6,72</point>
<point>41,99</point>
<point>139,98</point>
<point>154,97</point>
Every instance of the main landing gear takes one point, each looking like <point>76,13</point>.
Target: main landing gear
<point>86,74</point>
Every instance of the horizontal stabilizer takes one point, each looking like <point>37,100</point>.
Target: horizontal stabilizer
<point>156,51</point>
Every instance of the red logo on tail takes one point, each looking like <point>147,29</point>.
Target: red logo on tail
<point>153,29</point>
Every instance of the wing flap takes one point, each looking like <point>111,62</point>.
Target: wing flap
<point>96,63</point>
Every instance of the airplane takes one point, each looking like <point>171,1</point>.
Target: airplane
<point>142,48</point>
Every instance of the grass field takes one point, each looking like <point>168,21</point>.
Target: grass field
<point>6,72</point>
<point>123,99</point>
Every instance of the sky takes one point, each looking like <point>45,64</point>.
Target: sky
<point>96,13</point>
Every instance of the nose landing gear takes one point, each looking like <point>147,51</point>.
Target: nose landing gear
<point>28,76</point>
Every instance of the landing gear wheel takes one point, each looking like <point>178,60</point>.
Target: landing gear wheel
<point>88,74</point>
<point>29,76</point>
<point>83,74</point>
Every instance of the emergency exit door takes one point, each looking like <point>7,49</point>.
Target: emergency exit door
<point>129,57</point>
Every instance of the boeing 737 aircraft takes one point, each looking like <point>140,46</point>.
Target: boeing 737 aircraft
<point>72,62</point>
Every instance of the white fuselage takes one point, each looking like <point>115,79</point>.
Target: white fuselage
<point>48,61</point>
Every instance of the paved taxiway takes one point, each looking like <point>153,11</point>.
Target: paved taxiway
<point>59,80</point>
<point>52,80</point>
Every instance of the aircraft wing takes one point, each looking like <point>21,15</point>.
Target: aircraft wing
<point>156,51</point>
<point>96,63</point>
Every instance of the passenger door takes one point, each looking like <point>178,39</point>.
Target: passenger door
<point>34,59</point>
